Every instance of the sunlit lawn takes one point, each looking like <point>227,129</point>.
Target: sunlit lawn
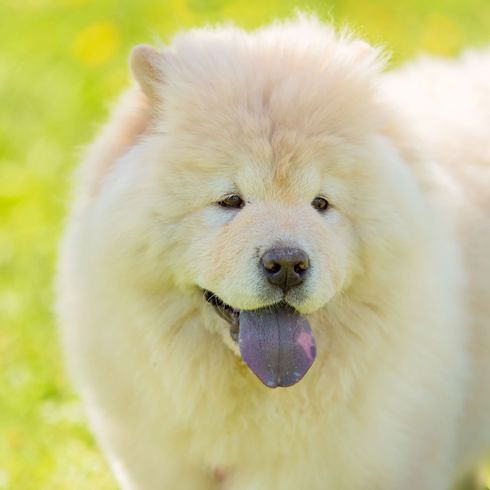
<point>61,62</point>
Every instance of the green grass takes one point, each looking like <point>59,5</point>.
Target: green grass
<point>61,62</point>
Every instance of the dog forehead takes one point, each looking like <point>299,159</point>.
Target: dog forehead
<point>249,146</point>
<point>278,180</point>
<point>281,128</point>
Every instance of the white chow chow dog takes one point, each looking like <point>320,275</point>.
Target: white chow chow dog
<point>268,210</point>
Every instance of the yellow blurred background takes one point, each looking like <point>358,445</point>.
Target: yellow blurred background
<point>61,63</point>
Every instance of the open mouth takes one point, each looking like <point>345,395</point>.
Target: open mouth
<point>275,342</point>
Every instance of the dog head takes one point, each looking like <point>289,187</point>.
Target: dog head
<point>264,181</point>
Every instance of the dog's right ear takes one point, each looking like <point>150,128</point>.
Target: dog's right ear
<point>146,65</point>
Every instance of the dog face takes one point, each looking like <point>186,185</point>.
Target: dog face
<point>265,238</point>
<point>264,182</point>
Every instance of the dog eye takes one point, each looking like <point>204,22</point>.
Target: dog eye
<point>320,204</point>
<point>232,201</point>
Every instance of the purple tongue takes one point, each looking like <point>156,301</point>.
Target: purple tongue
<point>277,344</point>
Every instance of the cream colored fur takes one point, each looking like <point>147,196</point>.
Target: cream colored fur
<point>399,293</point>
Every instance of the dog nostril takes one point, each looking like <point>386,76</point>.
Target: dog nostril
<point>272,267</point>
<point>300,268</point>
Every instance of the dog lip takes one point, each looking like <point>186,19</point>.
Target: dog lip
<point>225,311</point>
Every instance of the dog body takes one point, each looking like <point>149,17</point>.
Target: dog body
<point>396,288</point>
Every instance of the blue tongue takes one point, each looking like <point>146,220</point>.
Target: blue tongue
<point>277,344</point>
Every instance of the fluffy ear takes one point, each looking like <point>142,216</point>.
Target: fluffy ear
<point>146,65</point>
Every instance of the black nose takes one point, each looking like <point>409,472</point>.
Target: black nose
<point>285,267</point>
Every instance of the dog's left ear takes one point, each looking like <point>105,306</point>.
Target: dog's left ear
<point>146,65</point>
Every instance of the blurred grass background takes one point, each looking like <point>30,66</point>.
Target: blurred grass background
<point>61,63</point>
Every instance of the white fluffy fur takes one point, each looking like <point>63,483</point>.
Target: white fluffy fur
<point>398,298</point>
